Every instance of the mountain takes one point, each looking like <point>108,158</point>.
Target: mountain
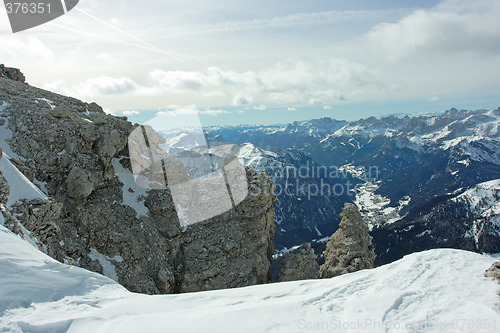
<point>67,167</point>
<point>401,167</point>
<point>439,290</point>
<point>309,197</point>
<point>466,219</point>
<point>307,205</point>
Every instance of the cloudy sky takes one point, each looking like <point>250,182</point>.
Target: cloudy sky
<point>266,61</point>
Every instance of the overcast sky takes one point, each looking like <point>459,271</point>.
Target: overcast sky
<point>266,61</point>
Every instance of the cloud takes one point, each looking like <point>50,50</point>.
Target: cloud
<point>15,49</point>
<point>327,107</point>
<point>60,87</point>
<point>451,27</point>
<point>298,20</point>
<point>433,99</point>
<point>213,78</point>
<point>130,113</point>
<point>315,101</point>
<point>290,81</point>
<point>106,85</point>
<point>291,109</point>
<point>239,100</point>
<point>214,94</point>
<point>190,110</point>
<point>178,80</point>
<point>293,81</point>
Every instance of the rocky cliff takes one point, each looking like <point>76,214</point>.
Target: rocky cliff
<point>350,248</point>
<point>11,73</point>
<point>299,265</point>
<point>99,219</point>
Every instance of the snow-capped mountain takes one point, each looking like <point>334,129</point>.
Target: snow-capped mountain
<point>467,219</point>
<point>404,165</point>
<point>436,291</point>
<point>305,207</point>
<point>293,135</point>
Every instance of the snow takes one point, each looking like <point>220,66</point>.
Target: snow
<point>106,263</point>
<point>250,155</point>
<point>483,201</point>
<point>134,199</point>
<point>48,101</point>
<point>373,207</point>
<point>21,187</point>
<point>434,289</point>
<point>426,232</point>
<point>6,134</point>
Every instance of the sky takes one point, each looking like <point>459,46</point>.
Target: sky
<point>263,62</point>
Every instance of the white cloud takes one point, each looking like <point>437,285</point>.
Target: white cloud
<point>433,99</point>
<point>130,113</point>
<point>453,26</point>
<point>290,81</point>
<point>298,20</point>
<point>315,101</point>
<point>327,107</point>
<point>239,100</point>
<point>190,110</point>
<point>17,48</point>
<point>214,94</point>
<point>291,109</point>
<point>260,107</point>
<point>106,85</point>
<point>60,87</point>
<point>178,80</point>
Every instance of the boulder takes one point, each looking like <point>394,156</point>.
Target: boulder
<point>493,271</point>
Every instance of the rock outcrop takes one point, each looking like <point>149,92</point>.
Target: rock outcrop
<point>493,271</point>
<point>12,73</point>
<point>350,248</point>
<point>299,265</point>
<point>38,217</point>
<point>99,219</point>
<point>8,220</point>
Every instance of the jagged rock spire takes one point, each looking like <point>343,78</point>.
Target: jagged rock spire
<point>350,248</point>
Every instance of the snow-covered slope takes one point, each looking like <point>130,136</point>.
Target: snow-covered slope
<point>21,187</point>
<point>434,291</point>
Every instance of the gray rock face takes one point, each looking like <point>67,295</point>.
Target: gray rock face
<point>38,217</point>
<point>493,271</point>
<point>299,265</point>
<point>350,248</point>
<point>4,187</point>
<point>89,224</point>
<point>9,221</point>
<point>11,73</point>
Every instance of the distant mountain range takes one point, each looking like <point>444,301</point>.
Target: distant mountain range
<point>401,171</point>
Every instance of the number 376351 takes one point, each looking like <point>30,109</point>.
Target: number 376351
<point>27,8</point>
